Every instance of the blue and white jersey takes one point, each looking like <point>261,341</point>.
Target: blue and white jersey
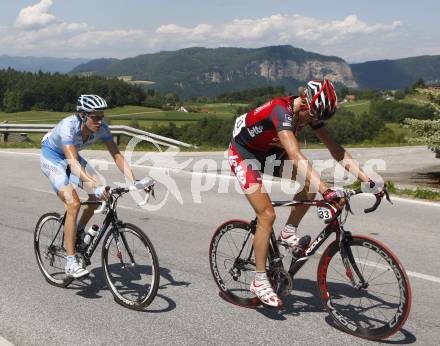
<point>68,131</point>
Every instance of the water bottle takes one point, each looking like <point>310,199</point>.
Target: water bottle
<point>90,234</point>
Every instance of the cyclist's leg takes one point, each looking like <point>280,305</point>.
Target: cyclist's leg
<point>90,208</point>
<point>71,201</point>
<point>260,201</point>
<point>88,212</point>
<point>297,213</point>
<point>289,234</point>
<point>250,181</point>
<point>55,168</point>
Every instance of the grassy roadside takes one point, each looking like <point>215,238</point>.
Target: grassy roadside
<point>419,192</point>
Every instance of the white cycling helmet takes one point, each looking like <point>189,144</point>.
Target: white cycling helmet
<point>90,103</point>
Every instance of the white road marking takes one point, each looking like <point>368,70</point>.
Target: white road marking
<point>4,342</point>
<point>223,176</point>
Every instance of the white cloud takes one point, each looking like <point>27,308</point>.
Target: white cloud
<point>37,30</point>
<point>35,16</point>
<point>278,29</point>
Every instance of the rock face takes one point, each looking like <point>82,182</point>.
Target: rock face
<point>277,70</point>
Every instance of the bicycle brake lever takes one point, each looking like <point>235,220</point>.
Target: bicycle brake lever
<point>152,192</point>
<point>387,195</point>
<point>348,207</point>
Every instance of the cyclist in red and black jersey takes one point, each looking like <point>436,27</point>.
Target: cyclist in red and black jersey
<point>269,133</point>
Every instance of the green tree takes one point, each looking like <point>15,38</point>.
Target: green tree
<point>428,131</point>
<point>12,101</point>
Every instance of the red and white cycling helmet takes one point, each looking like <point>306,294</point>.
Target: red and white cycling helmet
<point>322,99</point>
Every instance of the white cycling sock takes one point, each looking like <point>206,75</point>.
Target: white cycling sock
<point>290,229</point>
<point>260,276</point>
<point>70,260</point>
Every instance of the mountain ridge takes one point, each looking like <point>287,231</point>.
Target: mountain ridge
<point>44,64</point>
<point>200,71</point>
<point>209,71</point>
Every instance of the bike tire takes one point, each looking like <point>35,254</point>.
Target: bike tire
<point>225,268</point>
<point>51,258</point>
<point>375,261</point>
<point>123,280</point>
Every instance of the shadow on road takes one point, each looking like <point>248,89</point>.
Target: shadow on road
<point>402,337</point>
<point>95,283</point>
<point>305,299</point>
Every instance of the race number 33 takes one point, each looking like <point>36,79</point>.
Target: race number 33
<point>324,213</point>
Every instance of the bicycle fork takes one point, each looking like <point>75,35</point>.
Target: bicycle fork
<point>118,237</point>
<point>349,262</point>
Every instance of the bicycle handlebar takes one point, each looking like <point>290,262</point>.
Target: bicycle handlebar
<point>103,203</point>
<point>376,204</point>
<point>140,185</point>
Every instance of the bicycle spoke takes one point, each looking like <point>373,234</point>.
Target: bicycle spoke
<point>374,268</point>
<point>372,305</point>
<point>378,276</point>
<point>341,275</point>
<point>385,294</point>
<point>385,283</point>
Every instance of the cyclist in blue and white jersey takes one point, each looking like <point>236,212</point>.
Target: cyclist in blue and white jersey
<point>66,169</point>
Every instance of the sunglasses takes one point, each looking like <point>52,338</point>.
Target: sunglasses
<point>96,118</point>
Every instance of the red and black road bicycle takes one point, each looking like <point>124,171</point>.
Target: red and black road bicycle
<point>361,283</point>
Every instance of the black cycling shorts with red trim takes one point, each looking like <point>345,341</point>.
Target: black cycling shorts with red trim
<point>247,166</point>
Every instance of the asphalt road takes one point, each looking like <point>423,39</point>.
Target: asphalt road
<point>188,309</point>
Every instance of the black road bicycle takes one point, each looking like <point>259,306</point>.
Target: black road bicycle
<point>360,282</point>
<point>130,263</point>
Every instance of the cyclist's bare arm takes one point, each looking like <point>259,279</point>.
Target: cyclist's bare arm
<point>341,155</point>
<point>120,161</point>
<point>292,147</point>
<point>72,158</point>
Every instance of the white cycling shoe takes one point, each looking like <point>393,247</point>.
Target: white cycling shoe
<point>288,236</point>
<point>76,271</point>
<point>290,239</point>
<point>265,293</point>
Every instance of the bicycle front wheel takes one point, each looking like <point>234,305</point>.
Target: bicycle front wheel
<point>374,308</point>
<point>232,261</point>
<point>131,266</point>
<point>49,249</point>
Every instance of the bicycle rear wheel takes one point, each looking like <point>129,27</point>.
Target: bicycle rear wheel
<point>49,249</point>
<point>375,309</point>
<point>131,266</point>
<point>232,262</point>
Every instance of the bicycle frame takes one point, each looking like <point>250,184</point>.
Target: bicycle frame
<point>342,236</point>
<point>110,219</point>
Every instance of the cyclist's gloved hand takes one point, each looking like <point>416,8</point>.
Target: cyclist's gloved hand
<point>336,197</point>
<point>373,187</point>
<point>147,184</point>
<point>101,193</point>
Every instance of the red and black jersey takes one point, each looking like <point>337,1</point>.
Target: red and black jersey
<point>258,129</point>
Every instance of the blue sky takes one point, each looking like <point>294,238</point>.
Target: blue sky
<point>353,30</point>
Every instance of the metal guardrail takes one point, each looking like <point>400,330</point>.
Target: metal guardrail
<point>118,130</point>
